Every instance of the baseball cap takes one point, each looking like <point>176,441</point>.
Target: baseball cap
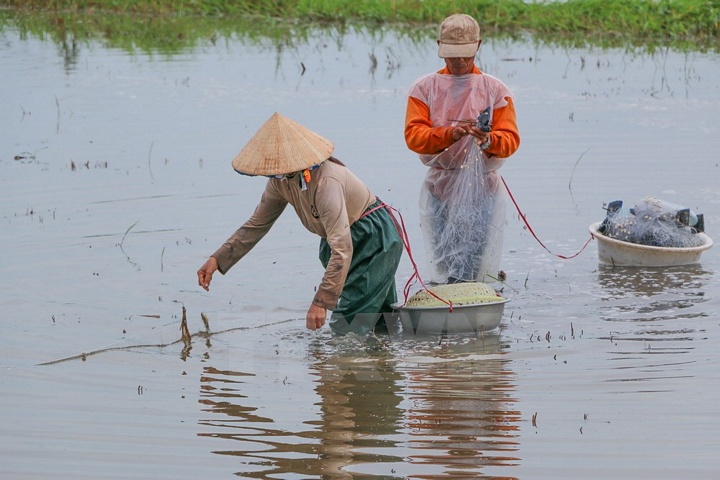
<point>458,36</point>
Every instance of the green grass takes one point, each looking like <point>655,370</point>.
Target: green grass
<point>169,25</point>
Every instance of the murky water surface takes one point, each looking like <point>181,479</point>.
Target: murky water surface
<point>116,185</point>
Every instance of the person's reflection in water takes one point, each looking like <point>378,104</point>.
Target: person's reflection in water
<point>361,414</point>
<point>358,422</point>
<point>385,407</point>
<point>419,406</point>
<point>264,444</point>
<point>463,415</point>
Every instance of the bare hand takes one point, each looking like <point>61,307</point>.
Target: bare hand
<point>315,317</point>
<point>206,272</point>
<point>462,129</point>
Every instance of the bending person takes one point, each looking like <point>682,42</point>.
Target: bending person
<point>360,246</point>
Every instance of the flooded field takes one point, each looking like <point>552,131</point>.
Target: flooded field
<point>115,186</point>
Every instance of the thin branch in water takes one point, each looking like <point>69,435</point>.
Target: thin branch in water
<point>126,232</point>
<point>186,337</point>
<point>127,257</point>
<point>83,356</point>
<point>57,105</point>
<point>184,328</point>
<point>152,178</point>
<point>573,170</point>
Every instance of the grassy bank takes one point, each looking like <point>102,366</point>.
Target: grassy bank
<point>682,25</point>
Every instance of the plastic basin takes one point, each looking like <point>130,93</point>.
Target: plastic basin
<point>618,253</point>
<point>472,318</point>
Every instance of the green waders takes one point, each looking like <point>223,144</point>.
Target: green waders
<point>369,289</point>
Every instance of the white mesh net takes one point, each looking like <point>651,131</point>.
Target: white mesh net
<point>653,222</point>
<point>462,212</point>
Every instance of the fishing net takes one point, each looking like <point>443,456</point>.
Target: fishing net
<point>462,213</point>
<point>470,293</point>
<point>653,222</point>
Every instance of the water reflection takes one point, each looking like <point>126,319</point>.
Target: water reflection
<point>462,415</point>
<point>656,305</point>
<point>655,315</point>
<point>263,446</point>
<point>650,294</point>
<point>361,415</point>
<point>356,420</point>
<point>382,408</point>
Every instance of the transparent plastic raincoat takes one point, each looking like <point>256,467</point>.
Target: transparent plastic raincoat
<point>462,201</point>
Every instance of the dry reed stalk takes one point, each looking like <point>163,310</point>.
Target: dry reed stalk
<point>184,328</point>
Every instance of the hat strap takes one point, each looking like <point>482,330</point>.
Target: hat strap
<point>285,175</point>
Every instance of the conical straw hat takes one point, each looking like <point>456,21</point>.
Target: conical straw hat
<point>282,146</point>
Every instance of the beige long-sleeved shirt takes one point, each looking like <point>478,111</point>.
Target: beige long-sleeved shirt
<point>335,199</point>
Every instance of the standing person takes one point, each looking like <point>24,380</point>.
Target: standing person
<point>360,245</point>
<point>462,206</point>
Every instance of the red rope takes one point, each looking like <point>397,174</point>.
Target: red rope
<point>406,243</point>
<point>416,273</point>
<point>522,215</point>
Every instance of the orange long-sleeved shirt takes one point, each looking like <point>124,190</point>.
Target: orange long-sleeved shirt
<point>423,138</point>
